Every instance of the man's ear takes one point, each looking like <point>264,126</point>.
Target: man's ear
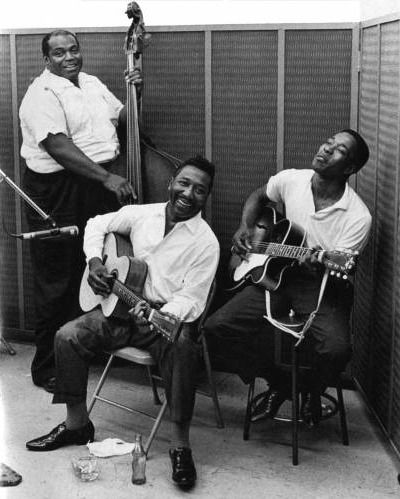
<point>46,60</point>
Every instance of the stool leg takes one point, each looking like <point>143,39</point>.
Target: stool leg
<point>295,407</point>
<point>342,413</point>
<point>247,420</point>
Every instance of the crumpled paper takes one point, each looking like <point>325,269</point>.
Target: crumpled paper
<point>110,447</point>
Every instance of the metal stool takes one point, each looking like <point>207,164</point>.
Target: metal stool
<point>338,404</point>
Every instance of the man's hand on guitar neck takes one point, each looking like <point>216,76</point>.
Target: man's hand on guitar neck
<point>137,313</point>
<point>310,260</point>
<point>99,279</point>
<point>241,242</point>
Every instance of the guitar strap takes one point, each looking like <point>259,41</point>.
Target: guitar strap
<point>286,327</point>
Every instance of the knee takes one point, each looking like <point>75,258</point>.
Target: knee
<point>64,336</point>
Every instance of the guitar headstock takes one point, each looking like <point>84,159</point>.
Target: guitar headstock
<point>167,324</point>
<point>340,263</point>
<point>136,38</point>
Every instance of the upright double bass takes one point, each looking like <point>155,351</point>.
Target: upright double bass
<point>148,169</point>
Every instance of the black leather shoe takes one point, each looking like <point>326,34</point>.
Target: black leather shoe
<point>183,470</point>
<point>48,384</point>
<point>60,436</point>
<point>311,409</point>
<point>267,404</point>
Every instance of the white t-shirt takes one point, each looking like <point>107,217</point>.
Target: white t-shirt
<point>343,226</point>
<point>181,265</point>
<point>87,114</point>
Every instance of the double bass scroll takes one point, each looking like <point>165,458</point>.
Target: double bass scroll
<point>135,41</point>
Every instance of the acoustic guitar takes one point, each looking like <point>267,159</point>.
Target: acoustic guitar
<point>128,278</point>
<point>277,244</point>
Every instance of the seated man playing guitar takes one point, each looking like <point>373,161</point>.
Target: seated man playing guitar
<point>180,254</point>
<point>321,205</point>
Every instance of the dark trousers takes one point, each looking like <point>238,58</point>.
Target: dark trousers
<point>78,341</point>
<point>58,264</point>
<point>241,341</point>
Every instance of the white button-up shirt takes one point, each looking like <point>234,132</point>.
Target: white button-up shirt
<point>87,114</point>
<point>343,226</point>
<point>181,265</point>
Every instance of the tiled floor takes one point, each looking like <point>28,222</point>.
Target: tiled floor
<point>227,466</point>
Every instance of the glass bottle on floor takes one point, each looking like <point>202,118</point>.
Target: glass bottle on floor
<point>138,462</point>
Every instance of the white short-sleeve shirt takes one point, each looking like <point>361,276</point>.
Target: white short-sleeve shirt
<point>343,226</point>
<point>87,114</point>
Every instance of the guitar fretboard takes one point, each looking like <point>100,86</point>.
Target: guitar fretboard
<point>127,295</point>
<point>277,249</point>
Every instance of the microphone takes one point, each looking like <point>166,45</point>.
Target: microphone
<point>56,232</point>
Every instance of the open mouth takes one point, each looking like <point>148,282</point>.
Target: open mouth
<point>182,203</point>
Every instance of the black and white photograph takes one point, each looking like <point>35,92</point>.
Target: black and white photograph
<point>200,249</point>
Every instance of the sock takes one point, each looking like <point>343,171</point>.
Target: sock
<point>180,434</point>
<point>77,416</point>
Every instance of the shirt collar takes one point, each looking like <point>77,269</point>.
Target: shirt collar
<point>59,82</point>
<point>342,203</point>
<point>192,224</point>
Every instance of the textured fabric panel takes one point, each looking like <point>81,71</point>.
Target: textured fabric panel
<point>387,235</point>
<point>386,218</point>
<point>173,100</point>
<point>366,187</point>
<point>29,65</point>
<point>317,90</point>
<point>244,96</point>
<point>8,247</point>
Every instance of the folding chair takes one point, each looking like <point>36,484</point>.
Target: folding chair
<point>143,357</point>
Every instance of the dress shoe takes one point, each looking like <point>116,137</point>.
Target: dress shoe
<point>267,404</point>
<point>183,470</point>
<point>48,384</point>
<point>60,436</point>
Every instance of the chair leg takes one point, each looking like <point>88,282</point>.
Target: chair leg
<point>342,413</point>
<point>247,420</point>
<point>211,383</point>
<point>156,397</point>
<point>155,426</point>
<point>100,383</point>
<point>295,407</point>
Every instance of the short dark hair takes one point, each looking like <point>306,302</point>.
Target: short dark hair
<point>201,163</point>
<point>56,32</point>
<point>361,154</point>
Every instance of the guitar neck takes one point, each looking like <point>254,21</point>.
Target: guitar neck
<point>127,295</point>
<point>281,250</point>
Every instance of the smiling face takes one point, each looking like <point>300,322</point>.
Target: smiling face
<point>64,57</point>
<point>334,158</point>
<point>188,193</point>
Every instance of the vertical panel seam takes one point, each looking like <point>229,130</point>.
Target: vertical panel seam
<point>17,176</point>
<point>208,108</point>
<point>280,102</point>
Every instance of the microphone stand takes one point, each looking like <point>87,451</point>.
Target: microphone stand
<point>47,218</point>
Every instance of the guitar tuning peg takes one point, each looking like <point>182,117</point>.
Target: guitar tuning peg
<point>344,277</point>
<point>338,275</point>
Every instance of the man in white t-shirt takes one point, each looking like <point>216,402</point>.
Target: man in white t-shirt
<point>70,145</point>
<point>333,217</point>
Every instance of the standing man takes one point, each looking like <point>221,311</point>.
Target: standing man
<point>333,217</point>
<point>181,253</point>
<point>69,143</point>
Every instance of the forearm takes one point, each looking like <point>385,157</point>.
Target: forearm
<point>70,157</point>
<point>253,207</point>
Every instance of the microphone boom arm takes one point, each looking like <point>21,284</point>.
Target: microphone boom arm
<point>47,218</point>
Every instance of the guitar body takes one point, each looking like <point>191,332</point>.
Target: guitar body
<point>119,261</point>
<point>262,269</point>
